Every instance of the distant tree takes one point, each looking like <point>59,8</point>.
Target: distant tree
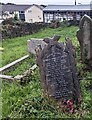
<point>10,4</point>
<point>43,6</point>
<point>2,3</point>
<point>6,3</point>
<point>15,17</point>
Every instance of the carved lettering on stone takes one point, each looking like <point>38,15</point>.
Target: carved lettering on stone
<point>58,69</point>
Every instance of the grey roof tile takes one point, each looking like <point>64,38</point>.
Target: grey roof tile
<point>15,7</point>
<point>67,7</point>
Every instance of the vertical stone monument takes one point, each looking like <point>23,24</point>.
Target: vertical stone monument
<point>58,70</point>
<point>84,35</point>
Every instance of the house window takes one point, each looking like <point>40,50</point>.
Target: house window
<point>22,15</point>
<point>29,11</point>
<point>39,17</point>
<point>48,17</point>
<point>21,12</point>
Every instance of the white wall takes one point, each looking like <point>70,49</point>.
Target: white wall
<point>33,14</point>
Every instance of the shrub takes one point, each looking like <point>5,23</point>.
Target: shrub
<point>16,17</point>
<point>55,24</point>
<point>8,21</point>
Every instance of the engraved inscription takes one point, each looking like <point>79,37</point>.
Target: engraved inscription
<point>58,70</point>
<point>58,74</point>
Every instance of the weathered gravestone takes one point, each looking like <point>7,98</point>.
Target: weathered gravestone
<point>33,43</point>
<point>58,70</point>
<point>84,35</point>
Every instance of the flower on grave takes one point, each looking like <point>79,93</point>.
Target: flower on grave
<point>68,105</point>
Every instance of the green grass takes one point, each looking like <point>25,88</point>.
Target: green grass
<point>21,67</point>
<point>27,101</point>
<point>17,47</point>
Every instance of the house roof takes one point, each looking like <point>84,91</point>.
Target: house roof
<point>16,7</point>
<point>39,6</point>
<point>67,7</point>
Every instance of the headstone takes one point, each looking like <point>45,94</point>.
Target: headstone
<point>33,43</point>
<point>58,70</point>
<point>91,9</point>
<point>84,35</point>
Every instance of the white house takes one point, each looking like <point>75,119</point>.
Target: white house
<point>28,13</point>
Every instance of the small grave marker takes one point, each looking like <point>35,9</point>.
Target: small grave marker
<point>33,43</point>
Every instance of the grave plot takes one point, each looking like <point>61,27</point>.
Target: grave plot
<point>58,70</point>
<point>24,76</point>
<point>41,105</point>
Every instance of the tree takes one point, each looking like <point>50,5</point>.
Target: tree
<point>10,4</point>
<point>2,3</point>
<point>15,17</point>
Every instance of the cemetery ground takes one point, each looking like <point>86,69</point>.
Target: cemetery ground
<point>26,100</point>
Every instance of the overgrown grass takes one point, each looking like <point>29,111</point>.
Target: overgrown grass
<point>17,47</point>
<point>27,101</point>
<point>21,67</point>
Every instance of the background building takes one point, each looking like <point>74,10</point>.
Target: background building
<point>36,13</point>
<point>28,13</point>
<point>65,12</point>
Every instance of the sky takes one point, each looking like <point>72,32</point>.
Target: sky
<point>46,2</point>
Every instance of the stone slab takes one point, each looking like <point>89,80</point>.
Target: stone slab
<point>33,43</point>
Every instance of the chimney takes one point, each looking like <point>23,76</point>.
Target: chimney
<point>75,2</point>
